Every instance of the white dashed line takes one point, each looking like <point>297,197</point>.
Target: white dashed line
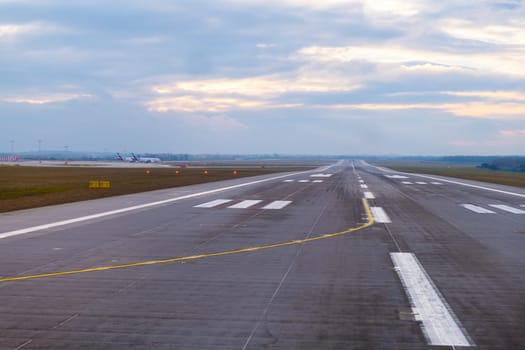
<point>369,195</point>
<point>477,209</point>
<point>421,182</point>
<point>245,204</point>
<point>438,322</point>
<point>321,175</point>
<point>304,180</point>
<point>289,180</point>
<point>436,183</point>
<point>317,181</point>
<point>379,215</point>
<point>507,208</point>
<point>277,205</point>
<point>397,176</point>
<point>361,181</point>
<point>364,186</point>
<point>406,183</point>
<point>214,203</point>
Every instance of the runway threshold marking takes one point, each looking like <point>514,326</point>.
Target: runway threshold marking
<point>438,322</point>
<point>277,205</point>
<point>245,204</point>
<point>477,209</point>
<point>507,208</point>
<point>214,203</point>
<point>369,223</point>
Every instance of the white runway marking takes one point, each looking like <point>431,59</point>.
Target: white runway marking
<point>379,215</point>
<point>321,175</point>
<point>361,181</point>
<point>438,322</point>
<point>135,207</point>
<point>213,203</point>
<point>476,209</point>
<point>289,180</point>
<point>369,195</point>
<point>364,186</point>
<point>317,181</point>
<point>473,186</point>
<point>397,176</point>
<point>421,182</point>
<point>245,204</point>
<point>277,205</point>
<point>436,183</point>
<point>507,208</point>
<point>304,180</point>
<point>406,182</point>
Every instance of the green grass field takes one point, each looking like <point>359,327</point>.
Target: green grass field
<point>461,171</point>
<point>28,187</point>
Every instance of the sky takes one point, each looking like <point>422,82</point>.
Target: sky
<point>411,77</point>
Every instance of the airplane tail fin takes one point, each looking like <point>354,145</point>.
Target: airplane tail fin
<point>119,157</point>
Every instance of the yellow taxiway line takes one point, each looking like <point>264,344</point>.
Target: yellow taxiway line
<point>369,223</point>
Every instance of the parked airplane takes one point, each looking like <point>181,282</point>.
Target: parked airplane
<point>145,159</point>
<point>135,159</point>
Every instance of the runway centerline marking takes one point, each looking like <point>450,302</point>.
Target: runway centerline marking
<point>380,215</point>
<point>438,322</point>
<point>369,195</point>
<point>137,207</point>
<point>369,223</point>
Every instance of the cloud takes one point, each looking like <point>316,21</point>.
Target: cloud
<point>403,55</point>
<point>481,110</point>
<point>512,133</point>
<point>209,104</point>
<point>511,34</point>
<point>220,95</point>
<point>11,31</point>
<point>46,98</point>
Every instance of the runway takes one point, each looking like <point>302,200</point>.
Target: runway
<point>350,256</point>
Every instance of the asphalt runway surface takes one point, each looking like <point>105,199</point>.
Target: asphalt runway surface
<point>287,261</point>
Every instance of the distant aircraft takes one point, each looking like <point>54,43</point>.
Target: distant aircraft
<point>126,159</point>
<point>145,159</point>
<point>135,159</point>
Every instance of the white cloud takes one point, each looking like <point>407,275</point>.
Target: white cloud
<point>209,104</point>
<point>42,99</point>
<point>11,31</point>
<point>512,33</point>
<point>482,110</point>
<point>506,62</point>
<point>219,95</point>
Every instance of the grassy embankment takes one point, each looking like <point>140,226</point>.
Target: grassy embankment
<point>29,187</point>
<point>462,171</point>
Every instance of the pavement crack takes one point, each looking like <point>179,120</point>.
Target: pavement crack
<point>281,282</point>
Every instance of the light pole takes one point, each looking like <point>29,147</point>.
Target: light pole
<point>66,148</point>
